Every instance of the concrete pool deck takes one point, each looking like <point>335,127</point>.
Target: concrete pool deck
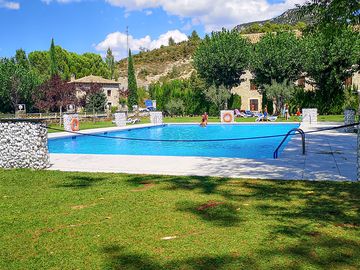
<point>330,155</point>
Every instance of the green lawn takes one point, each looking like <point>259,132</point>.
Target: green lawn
<point>103,124</point>
<point>56,220</point>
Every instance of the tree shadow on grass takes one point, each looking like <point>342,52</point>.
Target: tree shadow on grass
<point>79,182</point>
<point>206,185</point>
<point>316,251</point>
<point>325,202</point>
<point>317,202</point>
<point>118,257</point>
<point>218,213</point>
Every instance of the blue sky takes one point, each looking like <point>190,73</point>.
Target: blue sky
<point>94,25</point>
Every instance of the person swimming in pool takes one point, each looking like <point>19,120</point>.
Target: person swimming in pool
<point>204,120</point>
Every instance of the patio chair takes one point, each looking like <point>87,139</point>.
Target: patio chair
<point>132,121</point>
<point>249,113</point>
<point>263,118</point>
<point>239,114</point>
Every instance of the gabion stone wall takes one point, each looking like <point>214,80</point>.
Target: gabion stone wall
<point>120,119</point>
<point>23,144</point>
<point>349,118</point>
<point>309,116</point>
<point>156,118</point>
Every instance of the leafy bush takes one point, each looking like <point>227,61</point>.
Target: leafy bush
<point>218,96</point>
<point>351,98</point>
<point>280,93</point>
<point>235,102</point>
<point>114,109</point>
<point>175,107</point>
<point>96,102</point>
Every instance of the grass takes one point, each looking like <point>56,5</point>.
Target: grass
<point>58,220</point>
<point>104,124</point>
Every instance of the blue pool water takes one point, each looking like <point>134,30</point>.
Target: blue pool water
<point>259,148</point>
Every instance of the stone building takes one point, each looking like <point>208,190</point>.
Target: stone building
<point>251,98</point>
<point>111,88</point>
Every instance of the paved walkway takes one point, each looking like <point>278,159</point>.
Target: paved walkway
<point>331,155</point>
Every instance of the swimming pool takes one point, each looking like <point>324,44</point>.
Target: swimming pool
<point>259,148</point>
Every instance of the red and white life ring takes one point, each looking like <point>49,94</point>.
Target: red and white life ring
<point>75,126</point>
<point>227,117</point>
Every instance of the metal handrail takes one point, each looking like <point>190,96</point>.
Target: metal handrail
<point>300,131</point>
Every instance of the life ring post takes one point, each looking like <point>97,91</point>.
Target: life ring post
<point>75,125</point>
<point>227,116</point>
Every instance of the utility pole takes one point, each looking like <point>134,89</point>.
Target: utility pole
<point>127,40</point>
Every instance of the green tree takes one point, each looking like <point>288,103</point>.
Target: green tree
<point>53,61</point>
<point>171,41</point>
<point>132,85</point>
<point>277,56</point>
<point>222,58</point>
<point>279,93</point>
<point>175,107</point>
<point>328,61</point>
<point>96,102</point>
<point>235,101</point>
<point>328,13</point>
<point>21,59</point>
<point>40,63</point>
<point>17,85</point>
<point>110,62</point>
<point>194,37</point>
<point>218,96</point>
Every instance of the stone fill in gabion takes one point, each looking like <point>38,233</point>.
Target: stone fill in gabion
<point>23,144</point>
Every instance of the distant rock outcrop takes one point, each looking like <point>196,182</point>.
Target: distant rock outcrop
<point>290,17</point>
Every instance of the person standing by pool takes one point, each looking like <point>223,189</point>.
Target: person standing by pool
<point>265,113</point>
<point>204,120</point>
<point>298,113</point>
<point>287,116</point>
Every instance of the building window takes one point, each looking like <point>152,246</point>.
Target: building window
<point>348,82</point>
<point>254,105</point>
<point>301,82</point>
<point>252,85</point>
<point>109,93</point>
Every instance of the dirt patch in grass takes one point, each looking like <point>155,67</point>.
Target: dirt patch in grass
<point>146,185</point>
<point>348,225</point>
<point>209,204</point>
<point>314,234</point>
<point>82,206</point>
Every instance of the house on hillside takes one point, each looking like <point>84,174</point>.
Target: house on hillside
<point>111,88</point>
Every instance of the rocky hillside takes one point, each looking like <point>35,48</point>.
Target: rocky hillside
<point>174,62</point>
<point>289,17</point>
<point>167,62</point>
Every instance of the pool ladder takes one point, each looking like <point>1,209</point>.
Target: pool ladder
<point>299,131</point>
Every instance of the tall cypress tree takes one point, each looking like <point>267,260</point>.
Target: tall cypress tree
<point>132,85</point>
<point>110,62</point>
<point>53,63</point>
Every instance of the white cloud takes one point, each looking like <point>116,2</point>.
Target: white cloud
<point>118,43</point>
<point>148,12</point>
<point>213,14</point>
<point>9,5</point>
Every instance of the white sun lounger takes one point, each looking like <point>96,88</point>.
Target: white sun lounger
<point>269,118</point>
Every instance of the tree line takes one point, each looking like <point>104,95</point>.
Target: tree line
<point>40,78</point>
